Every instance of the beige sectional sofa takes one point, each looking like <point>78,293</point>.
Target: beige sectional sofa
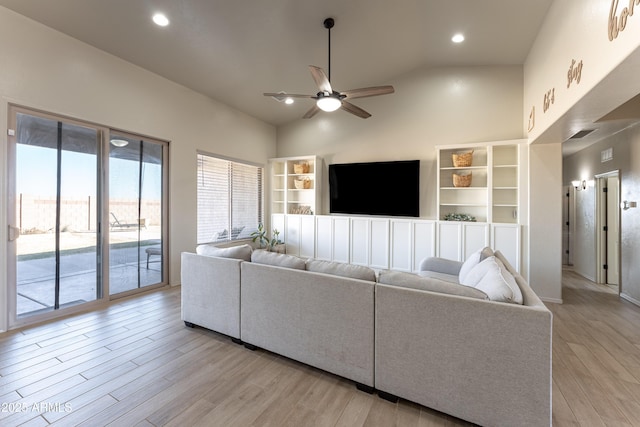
<point>211,296</point>
<point>319,319</point>
<point>483,361</point>
<point>429,340</point>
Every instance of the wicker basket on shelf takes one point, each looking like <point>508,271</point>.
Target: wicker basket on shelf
<point>302,167</point>
<point>302,184</point>
<point>462,160</point>
<point>462,180</point>
<point>301,210</point>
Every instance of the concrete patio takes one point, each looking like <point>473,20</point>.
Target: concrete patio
<point>78,263</point>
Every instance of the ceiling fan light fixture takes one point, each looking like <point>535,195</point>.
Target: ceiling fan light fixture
<point>328,99</point>
<point>328,103</point>
<point>160,19</point>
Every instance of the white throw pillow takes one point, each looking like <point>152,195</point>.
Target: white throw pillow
<point>467,266</point>
<point>477,272</point>
<point>499,284</point>
<point>473,260</point>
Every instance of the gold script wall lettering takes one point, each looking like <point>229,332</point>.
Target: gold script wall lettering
<point>532,119</point>
<point>549,98</point>
<point>617,24</point>
<point>574,73</point>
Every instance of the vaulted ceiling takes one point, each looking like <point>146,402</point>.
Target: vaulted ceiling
<point>233,51</point>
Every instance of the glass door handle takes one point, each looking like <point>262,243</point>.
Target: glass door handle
<point>14,233</point>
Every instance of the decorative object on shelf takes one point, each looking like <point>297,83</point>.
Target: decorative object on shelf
<point>302,184</point>
<point>459,217</point>
<point>462,179</point>
<point>301,210</point>
<point>462,160</point>
<point>261,236</point>
<point>302,167</point>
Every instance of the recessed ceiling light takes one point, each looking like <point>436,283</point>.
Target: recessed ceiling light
<point>119,142</point>
<point>457,38</point>
<point>288,101</point>
<point>160,19</point>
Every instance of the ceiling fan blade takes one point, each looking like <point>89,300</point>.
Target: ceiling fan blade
<point>368,91</point>
<point>349,107</point>
<point>281,96</point>
<point>312,112</point>
<point>321,79</point>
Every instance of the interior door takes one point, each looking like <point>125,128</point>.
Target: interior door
<point>613,230</point>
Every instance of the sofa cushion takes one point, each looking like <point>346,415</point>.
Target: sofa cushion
<point>242,252</point>
<point>440,276</point>
<point>279,260</point>
<point>493,278</point>
<point>523,286</point>
<point>341,269</point>
<point>441,265</point>
<point>413,281</point>
<point>473,260</point>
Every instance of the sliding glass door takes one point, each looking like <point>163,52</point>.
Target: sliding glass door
<point>87,214</point>
<point>136,246</point>
<point>56,213</point>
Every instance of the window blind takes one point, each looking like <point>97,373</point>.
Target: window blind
<point>230,198</point>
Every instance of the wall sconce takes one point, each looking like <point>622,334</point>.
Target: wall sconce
<point>579,185</point>
<point>625,205</point>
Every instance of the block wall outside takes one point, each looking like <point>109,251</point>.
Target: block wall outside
<point>37,214</point>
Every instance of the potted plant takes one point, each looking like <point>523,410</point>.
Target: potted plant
<point>272,244</point>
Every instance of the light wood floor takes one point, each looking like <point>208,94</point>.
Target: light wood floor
<point>135,363</point>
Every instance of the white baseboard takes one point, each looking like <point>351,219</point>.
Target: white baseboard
<point>630,299</point>
<point>553,300</point>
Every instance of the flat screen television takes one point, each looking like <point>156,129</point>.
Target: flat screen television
<point>376,188</point>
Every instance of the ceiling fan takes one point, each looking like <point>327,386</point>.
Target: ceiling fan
<point>328,99</point>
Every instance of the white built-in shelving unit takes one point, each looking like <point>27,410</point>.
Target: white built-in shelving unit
<point>294,191</point>
<point>494,198</point>
<point>493,195</point>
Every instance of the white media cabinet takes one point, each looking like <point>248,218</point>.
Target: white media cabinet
<point>392,243</point>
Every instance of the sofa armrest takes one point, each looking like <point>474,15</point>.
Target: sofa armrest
<point>441,265</point>
<point>211,292</point>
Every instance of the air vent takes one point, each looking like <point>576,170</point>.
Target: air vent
<point>582,134</point>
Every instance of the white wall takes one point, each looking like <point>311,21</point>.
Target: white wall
<point>545,221</point>
<point>576,29</point>
<point>433,106</point>
<point>47,70</point>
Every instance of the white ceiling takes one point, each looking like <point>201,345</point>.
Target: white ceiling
<point>233,51</point>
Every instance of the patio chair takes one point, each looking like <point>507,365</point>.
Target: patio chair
<point>141,222</point>
<point>153,250</point>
